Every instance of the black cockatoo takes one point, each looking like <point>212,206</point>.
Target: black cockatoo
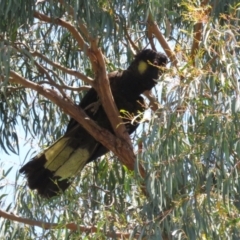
<point>52,171</point>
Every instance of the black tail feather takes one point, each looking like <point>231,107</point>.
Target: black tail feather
<point>42,179</point>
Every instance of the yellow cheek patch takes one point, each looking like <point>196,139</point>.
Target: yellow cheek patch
<point>142,67</point>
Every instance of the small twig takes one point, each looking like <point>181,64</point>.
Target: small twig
<point>150,38</point>
<point>140,146</point>
<point>64,69</point>
<point>71,11</point>
<point>13,89</point>
<point>56,65</point>
<point>43,70</point>
<point>154,105</point>
<point>131,42</point>
<point>62,85</point>
<point>77,89</point>
<point>95,106</point>
<point>209,62</point>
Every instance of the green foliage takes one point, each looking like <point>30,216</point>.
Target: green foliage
<point>191,146</point>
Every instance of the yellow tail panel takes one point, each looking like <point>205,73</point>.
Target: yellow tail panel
<point>64,160</point>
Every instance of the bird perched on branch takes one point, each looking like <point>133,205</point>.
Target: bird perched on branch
<point>52,171</point>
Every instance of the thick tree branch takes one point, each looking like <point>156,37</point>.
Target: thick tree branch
<point>70,226</point>
<point>104,91</point>
<point>121,148</point>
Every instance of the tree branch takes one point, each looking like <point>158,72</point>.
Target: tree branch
<point>82,44</point>
<point>70,226</point>
<point>70,10</point>
<point>197,35</point>
<point>156,31</point>
<point>102,86</point>
<point>132,45</point>
<point>74,73</point>
<point>50,80</point>
<point>150,38</point>
<point>197,32</point>
<point>74,32</point>
<point>154,105</point>
<point>104,91</point>
<point>77,89</point>
<point>62,85</point>
<point>121,148</point>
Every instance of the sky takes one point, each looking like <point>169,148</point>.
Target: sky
<point>15,161</point>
